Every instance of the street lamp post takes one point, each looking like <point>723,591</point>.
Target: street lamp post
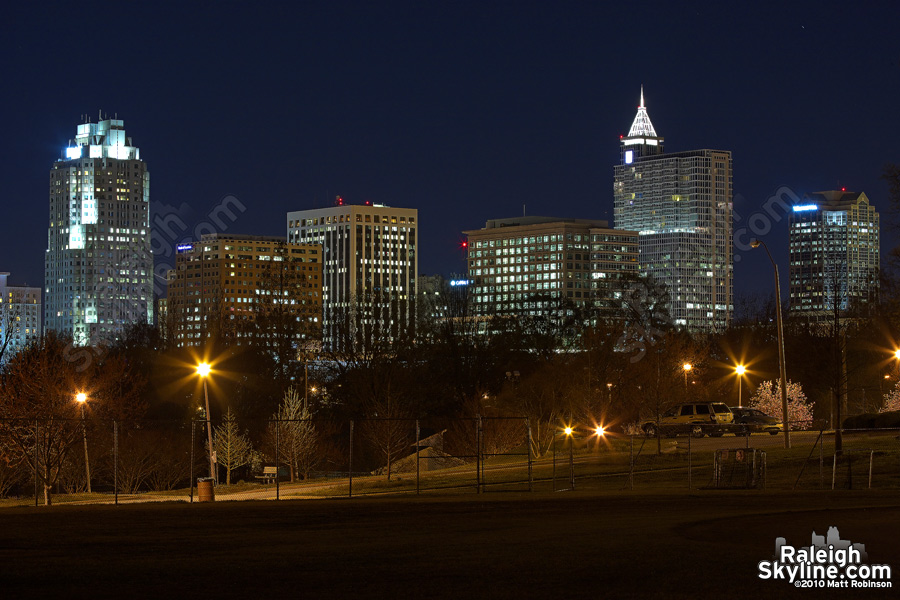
<point>740,370</point>
<point>81,398</point>
<point>686,367</point>
<point>781,366</point>
<point>568,431</point>
<point>203,370</point>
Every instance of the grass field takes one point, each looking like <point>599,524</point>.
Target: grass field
<point>504,545</point>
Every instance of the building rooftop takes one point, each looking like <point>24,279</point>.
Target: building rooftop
<point>526,221</point>
<point>641,126</point>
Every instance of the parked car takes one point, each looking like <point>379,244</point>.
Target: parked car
<point>694,418</point>
<point>753,420</point>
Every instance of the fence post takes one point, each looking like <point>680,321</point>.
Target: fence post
<point>418,452</point>
<point>631,466</point>
<point>277,483</point>
<point>822,458</point>
<point>528,443</point>
<point>554,461</point>
<point>116,461</point>
<point>36,438</point>
<point>193,441</point>
<point>691,461</point>
<point>834,469</point>
<point>871,460</point>
<point>350,464</point>
<point>477,454</point>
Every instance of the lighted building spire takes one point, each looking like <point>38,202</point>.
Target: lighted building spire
<point>642,127</point>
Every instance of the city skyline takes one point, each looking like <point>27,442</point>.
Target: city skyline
<point>465,115</point>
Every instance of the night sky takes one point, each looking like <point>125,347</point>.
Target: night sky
<point>463,110</point>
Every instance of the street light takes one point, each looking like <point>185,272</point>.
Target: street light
<point>568,431</point>
<point>81,398</point>
<point>781,366</point>
<point>740,370</point>
<point>686,367</point>
<point>203,370</point>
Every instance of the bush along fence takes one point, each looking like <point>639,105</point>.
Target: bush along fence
<point>72,460</point>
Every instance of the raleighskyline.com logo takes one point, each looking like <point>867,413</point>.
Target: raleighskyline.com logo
<point>828,562</point>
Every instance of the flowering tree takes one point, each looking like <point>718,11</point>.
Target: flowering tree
<point>768,399</point>
<point>891,400</point>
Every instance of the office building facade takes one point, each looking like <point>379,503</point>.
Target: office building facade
<point>529,265</point>
<point>20,317</point>
<point>98,270</point>
<point>834,254</point>
<point>681,205</point>
<point>369,265</point>
<point>223,283</point>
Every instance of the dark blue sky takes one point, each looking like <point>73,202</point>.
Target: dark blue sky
<point>464,110</point>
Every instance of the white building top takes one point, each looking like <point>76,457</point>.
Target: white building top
<point>104,139</point>
<point>642,127</point>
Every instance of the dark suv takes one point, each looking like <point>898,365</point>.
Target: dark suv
<point>695,418</point>
<point>753,420</point>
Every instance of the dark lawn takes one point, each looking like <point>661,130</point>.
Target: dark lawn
<point>501,545</point>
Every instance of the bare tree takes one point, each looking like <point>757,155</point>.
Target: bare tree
<point>233,449</point>
<point>297,437</point>
<point>387,429</point>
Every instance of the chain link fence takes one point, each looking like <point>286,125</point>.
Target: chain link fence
<point>94,461</point>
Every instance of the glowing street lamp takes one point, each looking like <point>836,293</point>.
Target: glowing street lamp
<point>203,370</point>
<point>81,398</point>
<point>568,432</point>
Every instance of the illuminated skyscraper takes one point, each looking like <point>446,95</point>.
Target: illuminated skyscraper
<point>681,205</point>
<point>20,317</point>
<point>369,264</point>
<point>98,268</point>
<point>835,260</point>
<point>529,265</point>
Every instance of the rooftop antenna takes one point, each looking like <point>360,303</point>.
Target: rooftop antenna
<point>642,97</point>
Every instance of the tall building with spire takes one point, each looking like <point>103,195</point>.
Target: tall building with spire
<point>98,268</point>
<point>681,205</point>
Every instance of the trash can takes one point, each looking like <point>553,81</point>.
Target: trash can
<point>205,490</point>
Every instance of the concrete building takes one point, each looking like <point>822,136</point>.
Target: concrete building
<point>20,317</point>
<point>224,282</point>
<point>370,261</point>
<point>681,204</point>
<point>834,253</point>
<point>98,270</point>
<point>528,265</point>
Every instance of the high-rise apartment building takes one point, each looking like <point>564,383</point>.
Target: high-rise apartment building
<point>98,271</point>
<point>834,250</point>
<point>20,317</point>
<point>681,205</point>
<point>223,283</point>
<point>370,261</point>
<point>528,265</point>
